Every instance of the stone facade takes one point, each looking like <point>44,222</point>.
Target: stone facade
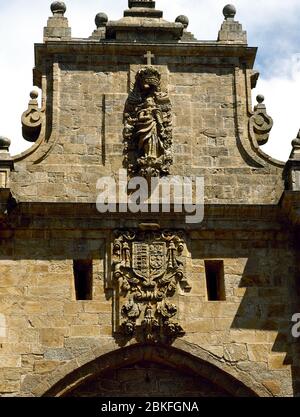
<point>51,342</point>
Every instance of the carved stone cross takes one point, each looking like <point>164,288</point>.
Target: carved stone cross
<point>149,57</point>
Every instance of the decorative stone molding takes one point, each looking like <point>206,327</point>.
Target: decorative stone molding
<point>260,123</point>
<point>148,126</point>
<point>147,265</point>
<point>32,119</point>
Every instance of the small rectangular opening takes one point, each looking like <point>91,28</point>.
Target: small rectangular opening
<point>83,278</point>
<point>214,271</point>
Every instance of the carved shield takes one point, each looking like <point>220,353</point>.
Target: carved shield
<point>157,256</point>
<point>149,258</point>
<point>140,259</point>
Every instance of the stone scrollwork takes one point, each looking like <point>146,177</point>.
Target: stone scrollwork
<point>32,119</point>
<point>148,126</point>
<point>260,124</point>
<point>146,269</point>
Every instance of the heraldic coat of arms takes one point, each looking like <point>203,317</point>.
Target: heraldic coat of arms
<point>147,266</point>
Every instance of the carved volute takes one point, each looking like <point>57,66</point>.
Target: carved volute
<point>260,123</point>
<point>32,119</point>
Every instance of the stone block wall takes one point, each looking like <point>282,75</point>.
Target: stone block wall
<point>86,142</point>
<point>44,330</point>
<point>52,343</point>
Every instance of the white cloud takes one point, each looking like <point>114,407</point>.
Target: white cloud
<point>282,101</point>
<point>272,21</point>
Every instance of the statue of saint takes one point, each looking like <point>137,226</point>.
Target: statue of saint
<point>149,129</point>
<point>148,126</point>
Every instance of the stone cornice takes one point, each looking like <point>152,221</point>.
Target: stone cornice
<point>215,212</point>
<point>120,50</point>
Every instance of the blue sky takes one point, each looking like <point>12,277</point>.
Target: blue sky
<point>272,25</point>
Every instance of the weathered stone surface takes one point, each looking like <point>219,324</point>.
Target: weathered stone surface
<point>231,30</point>
<point>57,354</point>
<point>42,367</point>
<point>273,386</point>
<point>146,304</point>
<point>57,26</point>
<point>235,353</point>
<point>48,219</point>
<point>260,124</point>
<point>277,361</point>
<point>52,337</point>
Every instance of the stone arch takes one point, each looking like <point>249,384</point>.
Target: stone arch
<point>182,356</point>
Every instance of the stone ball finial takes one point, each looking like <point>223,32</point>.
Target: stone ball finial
<point>260,98</point>
<point>229,11</point>
<point>4,143</point>
<point>58,8</point>
<point>184,20</point>
<point>34,94</point>
<point>296,142</point>
<point>101,20</point>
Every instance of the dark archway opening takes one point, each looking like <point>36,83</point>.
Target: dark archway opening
<point>149,379</point>
<point>149,370</point>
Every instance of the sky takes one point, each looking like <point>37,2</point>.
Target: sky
<point>272,26</point>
